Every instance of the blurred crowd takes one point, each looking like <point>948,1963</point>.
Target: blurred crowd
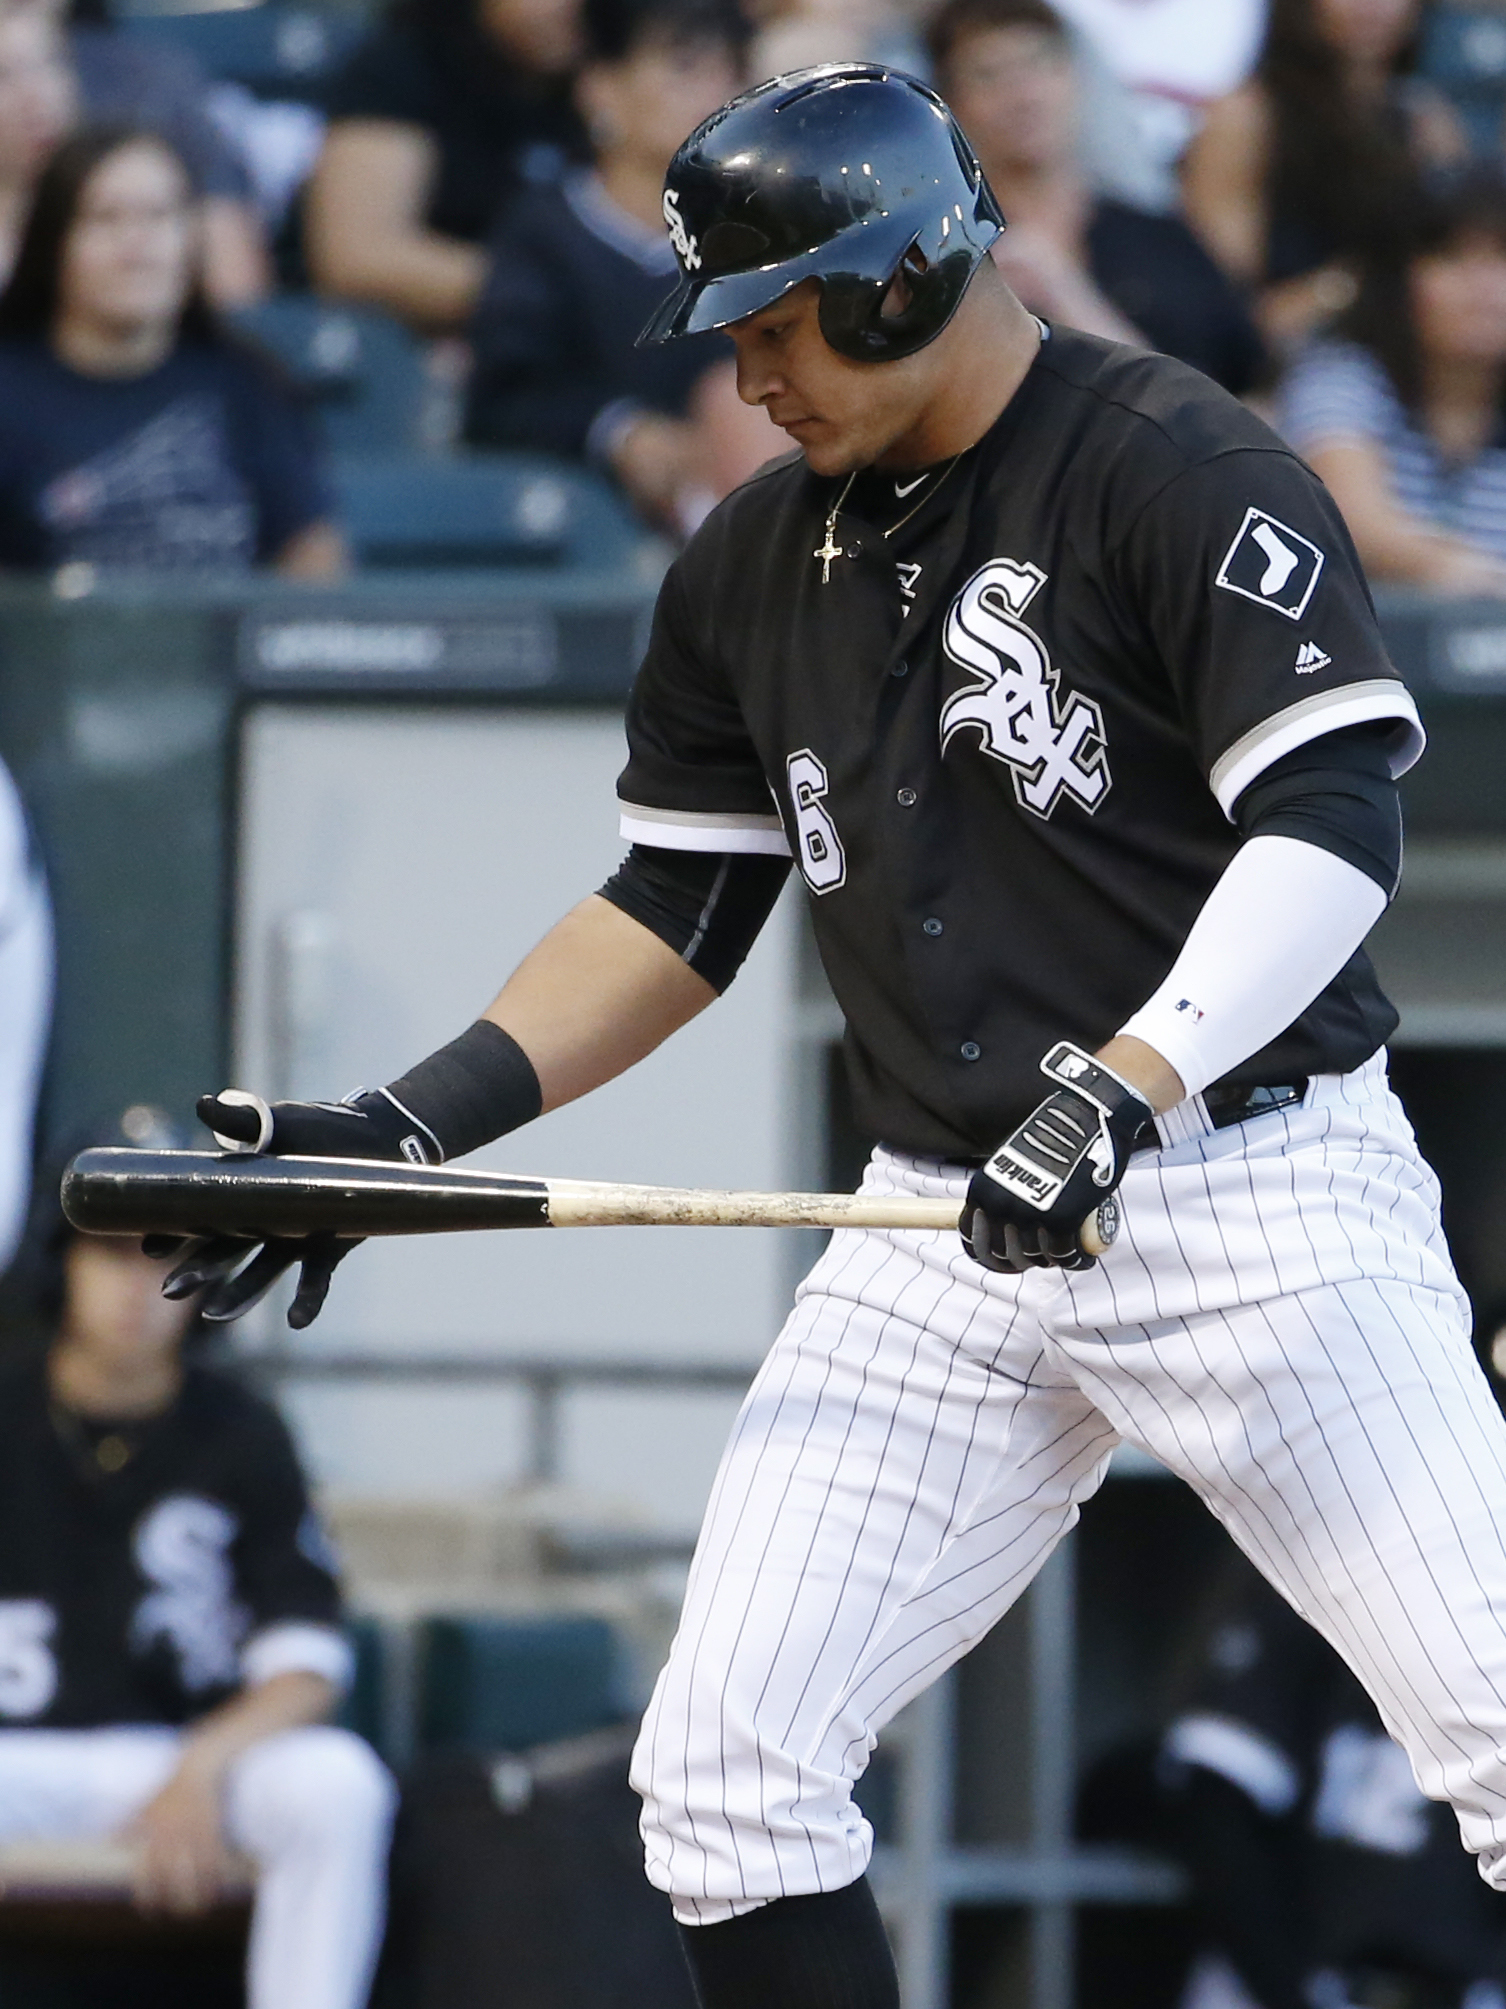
<point>1304,198</point>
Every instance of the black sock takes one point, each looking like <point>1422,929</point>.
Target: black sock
<point>823,1952</point>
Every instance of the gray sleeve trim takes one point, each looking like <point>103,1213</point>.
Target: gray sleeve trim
<point>703,830</point>
<point>1310,718</point>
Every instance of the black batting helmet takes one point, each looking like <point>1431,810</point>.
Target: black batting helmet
<point>837,174</point>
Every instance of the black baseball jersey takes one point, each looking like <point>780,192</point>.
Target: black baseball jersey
<point>1000,711</point>
<point>128,1595</point>
<point>1382,1876</point>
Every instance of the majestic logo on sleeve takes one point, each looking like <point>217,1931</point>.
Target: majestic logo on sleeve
<point>1272,565</point>
<point>1051,739</point>
<point>686,249</point>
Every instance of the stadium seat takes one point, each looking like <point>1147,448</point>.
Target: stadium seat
<point>469,510</point>
<point>365,1706</point>
<point>278,52</point>
<point>504,1684</point>
<point>362,370</point>
<point>1464,54</point>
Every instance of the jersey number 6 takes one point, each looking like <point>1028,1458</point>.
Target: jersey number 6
<point>822,858</point>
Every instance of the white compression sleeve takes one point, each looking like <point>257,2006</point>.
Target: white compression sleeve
<point>1281,922</point>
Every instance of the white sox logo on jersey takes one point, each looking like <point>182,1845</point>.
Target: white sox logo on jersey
<point>1051,739</point>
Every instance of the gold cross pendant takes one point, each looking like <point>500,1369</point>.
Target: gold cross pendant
<point>829,550</point>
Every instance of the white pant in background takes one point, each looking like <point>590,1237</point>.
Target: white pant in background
<point>26,972</point>
<point>312,1809</point>
<point>1278,1323</point>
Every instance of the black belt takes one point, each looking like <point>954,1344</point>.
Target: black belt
<point>1231,1105</point>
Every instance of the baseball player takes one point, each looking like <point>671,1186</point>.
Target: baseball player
<point>170,1638</point>
<point>1322,1878</point>
<point>1054,672</point>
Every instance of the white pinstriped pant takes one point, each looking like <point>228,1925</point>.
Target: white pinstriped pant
<point>1279,1323</point>
<point>312,1808</point>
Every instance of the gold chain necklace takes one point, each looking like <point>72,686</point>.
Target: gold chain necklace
<point>830,549</point>
<point>925,498</point>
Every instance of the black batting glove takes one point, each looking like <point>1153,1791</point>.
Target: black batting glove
<point>1027,1207</point>
<point>234,1273</point>
<point>371,1123</point>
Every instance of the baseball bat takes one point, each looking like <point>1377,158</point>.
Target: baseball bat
<point>118,1192</point>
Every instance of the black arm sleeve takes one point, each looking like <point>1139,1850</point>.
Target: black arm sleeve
<point>1335,792</point>
<point>707,905</point>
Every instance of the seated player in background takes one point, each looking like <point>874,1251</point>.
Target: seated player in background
<point>63,66</point>
<point>1007,69</point>
<point>1402,410</point>
<point>578,267</point>
<point>134,433</point>
<point>169,1627</point>
<point>437,118</point>
<point>1323,1879</point>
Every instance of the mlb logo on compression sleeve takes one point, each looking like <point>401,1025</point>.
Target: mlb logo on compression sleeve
<point>1272,564</point>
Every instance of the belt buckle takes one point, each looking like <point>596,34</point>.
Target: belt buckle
<point>1262,1100</point>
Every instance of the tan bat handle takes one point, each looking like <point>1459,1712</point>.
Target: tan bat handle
<point>583,1203</point>
<point>579,1203</point>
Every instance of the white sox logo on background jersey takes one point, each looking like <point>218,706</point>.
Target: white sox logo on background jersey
<point>1051,740</point>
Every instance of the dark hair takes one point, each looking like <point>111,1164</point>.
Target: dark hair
<point>471,61</point>
<point>1446,211</point>
<point>1339,166</point>
<point>616,29</point>
<point>957,19</point>
<point>28,305</point>
<point>33,1289</point>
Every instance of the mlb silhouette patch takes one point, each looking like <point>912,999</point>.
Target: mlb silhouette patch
<point>1272,565</point>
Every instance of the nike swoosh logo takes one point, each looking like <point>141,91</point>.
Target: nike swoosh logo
<point>909,487</point>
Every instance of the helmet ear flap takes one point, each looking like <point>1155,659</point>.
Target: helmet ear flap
<point>853,315</point>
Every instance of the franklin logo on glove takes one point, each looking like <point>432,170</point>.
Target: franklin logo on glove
<point>1027,1206</point>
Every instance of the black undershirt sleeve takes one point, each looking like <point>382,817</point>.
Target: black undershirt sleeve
<point>1335,792</point>
<point>707,905</point>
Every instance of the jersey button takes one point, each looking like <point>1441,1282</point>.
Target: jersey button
<point>971,1050</point>
<point>900,669</point>
<point>931,925</point>
<point>906,798</point>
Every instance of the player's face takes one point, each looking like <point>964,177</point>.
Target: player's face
<point>841,414</point>
<point>113,1305</point>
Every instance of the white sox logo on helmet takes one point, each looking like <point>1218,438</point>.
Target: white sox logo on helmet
<point>686,249</point>
<point>1051,740</point>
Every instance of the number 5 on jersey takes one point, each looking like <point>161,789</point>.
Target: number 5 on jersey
<point>822,859</point>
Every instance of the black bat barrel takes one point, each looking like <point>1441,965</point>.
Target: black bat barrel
<point>115,1192</point>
